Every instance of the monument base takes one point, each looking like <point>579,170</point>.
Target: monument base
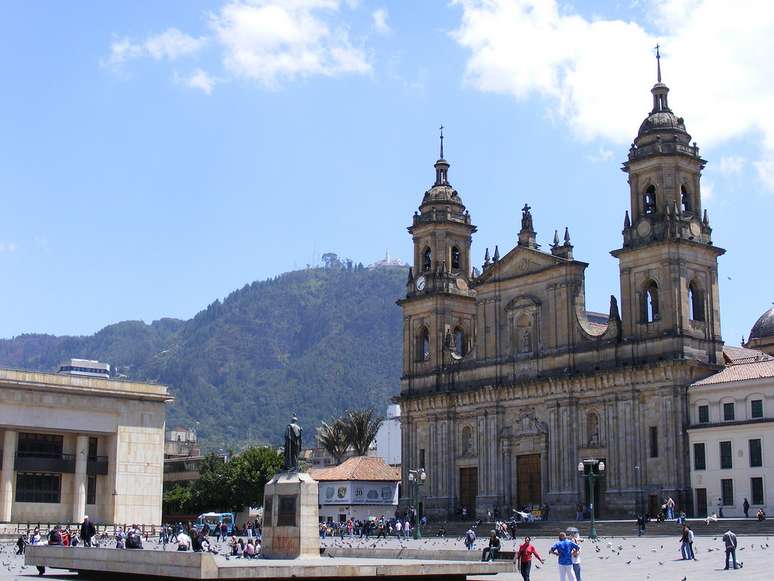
<point>290,521</point>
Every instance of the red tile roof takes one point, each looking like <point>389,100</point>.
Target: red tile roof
<point>741,372</point>
<point>734,354</point>
<point>363,468</point>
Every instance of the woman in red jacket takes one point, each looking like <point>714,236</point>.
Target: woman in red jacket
<point>523,557</point>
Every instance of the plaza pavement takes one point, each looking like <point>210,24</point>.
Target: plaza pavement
<point>609,559</point>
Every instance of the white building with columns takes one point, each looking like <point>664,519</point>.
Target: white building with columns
<point>75,445</point>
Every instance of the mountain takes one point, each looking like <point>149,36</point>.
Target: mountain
<point>314,342</point>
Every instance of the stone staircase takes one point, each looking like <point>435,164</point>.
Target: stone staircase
<point>615,528</point>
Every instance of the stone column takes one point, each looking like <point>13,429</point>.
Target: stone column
<point>6,480</point>
<point>79,478</point>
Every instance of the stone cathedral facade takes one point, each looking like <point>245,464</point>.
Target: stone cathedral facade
<point>508,381</point>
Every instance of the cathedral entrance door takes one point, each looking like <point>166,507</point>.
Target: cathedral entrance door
<point>529,486</point>
<point>469,490</point>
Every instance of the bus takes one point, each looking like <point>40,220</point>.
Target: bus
<point>213,519</point>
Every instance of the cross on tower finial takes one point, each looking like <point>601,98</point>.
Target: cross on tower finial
<point>658,63</point>
<point>441,130</point>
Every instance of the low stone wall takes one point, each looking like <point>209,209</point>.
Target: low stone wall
<point>138,562</point>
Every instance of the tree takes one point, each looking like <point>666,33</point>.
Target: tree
<point>331,260</point>
<point>233,485</point>
<point>250,471</point>
<point>361,427</point>
<point>334,438</point>
<point>177,500</point>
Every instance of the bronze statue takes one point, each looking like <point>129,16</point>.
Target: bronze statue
<point>292,444</point>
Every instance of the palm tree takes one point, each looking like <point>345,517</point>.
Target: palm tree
<point>333,437</point>
<point>361,427</point>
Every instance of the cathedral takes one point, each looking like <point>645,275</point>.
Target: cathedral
<point>508,382</point>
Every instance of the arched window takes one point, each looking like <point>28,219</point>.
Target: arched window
<point>423,345</point>
<point>650,303</point>
<point>649,200</point>
<point>459,341</point>
<point>685,198</point>
<point>427,259</point>
<point>455,257</point>
<point>696,301</point>
<point>592,429</point>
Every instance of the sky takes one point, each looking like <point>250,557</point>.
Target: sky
<point>155,156</point>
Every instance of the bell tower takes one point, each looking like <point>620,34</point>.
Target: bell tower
<point>668,264</point>
<point>439,306</point>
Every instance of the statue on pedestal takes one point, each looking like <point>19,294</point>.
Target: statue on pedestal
<point>292,444</point>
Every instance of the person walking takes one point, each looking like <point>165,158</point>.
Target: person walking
<point>576,559</point>
<point>87,531</point>
<point>684,546</point>
<point>470,538</point>
<point>640,525</point>
<point>523,558</point>
<point>563,550</point>
<point>729,540</point>
<point>691,536</point>
<point>490,552</point>
<point>746,508</point>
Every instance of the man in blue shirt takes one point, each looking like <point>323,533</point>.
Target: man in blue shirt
<point>563,549</point>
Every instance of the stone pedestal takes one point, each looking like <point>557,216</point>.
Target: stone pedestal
<point>290,522</point>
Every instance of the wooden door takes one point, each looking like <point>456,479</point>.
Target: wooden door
<point>701,502</point>
<point>528,482</point>
<point>469,489</point>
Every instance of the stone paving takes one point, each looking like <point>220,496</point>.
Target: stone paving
<point>609,559</point>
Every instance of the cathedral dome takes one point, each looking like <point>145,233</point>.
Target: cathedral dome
<point>660,121</point>
<point>764,326</point>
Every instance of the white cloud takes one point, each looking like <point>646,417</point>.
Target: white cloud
<point>270,41</point>
<point>603,154</point>
<point>8,247</point>
<point>595,73</point>
<point>169,45</point>
<point>199,79</point>
<point>765,168</point>
<point>731,164</point>
<point>379,17</point>
<point>707,190</point>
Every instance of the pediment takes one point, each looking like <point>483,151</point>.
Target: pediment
<point>521,261</point>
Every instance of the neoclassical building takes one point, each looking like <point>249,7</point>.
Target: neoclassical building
<point>508,381</point>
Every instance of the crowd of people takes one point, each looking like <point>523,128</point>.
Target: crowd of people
<point>400,526</point>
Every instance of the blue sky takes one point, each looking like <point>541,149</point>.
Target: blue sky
<point>155,156</point>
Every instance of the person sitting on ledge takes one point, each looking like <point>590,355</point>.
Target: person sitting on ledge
<point>55,537</point>
<point>490,552</point>
<point>761,515</point>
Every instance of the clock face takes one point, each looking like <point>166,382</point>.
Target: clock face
<point>421,283</point>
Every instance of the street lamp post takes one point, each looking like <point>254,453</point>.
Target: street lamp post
<point>592,470</point>
<point>417,479</point>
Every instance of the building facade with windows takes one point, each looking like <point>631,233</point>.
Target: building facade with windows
<point>75,445</point>
<point>508,381</point>
<point>359,488</point>
<point>731,438</point>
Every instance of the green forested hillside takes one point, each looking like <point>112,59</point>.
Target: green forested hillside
<point>314,342</point>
